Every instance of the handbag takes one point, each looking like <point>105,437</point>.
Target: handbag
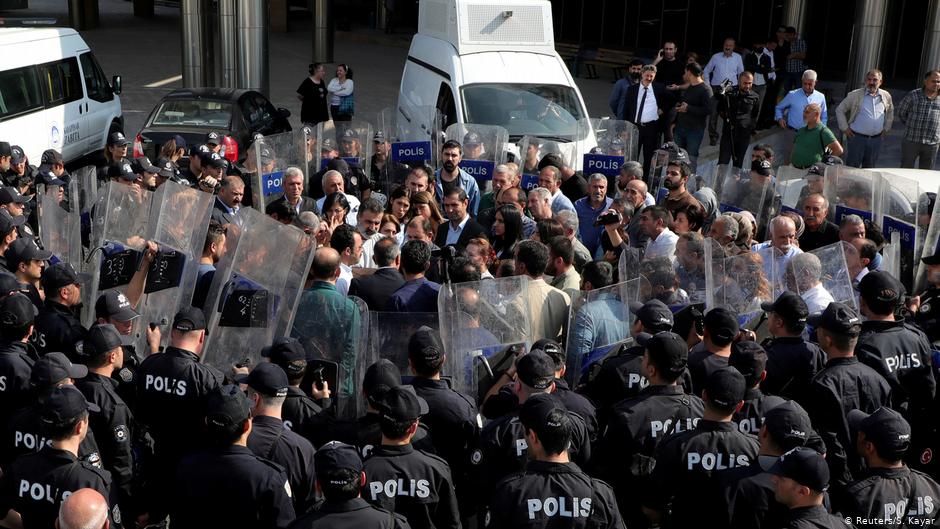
<point>347,105</point>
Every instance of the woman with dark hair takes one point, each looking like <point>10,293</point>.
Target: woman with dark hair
<point>342,105</point>
<point>547,229</point>
<point>313,96</point>
<point>689,218</point>
<point>398,203</point>
<point>422,203</point>
<point>507,231</point>
<point>335,209</point>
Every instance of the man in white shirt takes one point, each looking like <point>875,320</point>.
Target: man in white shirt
<point>778,252</point>
<point>726,65</point>
<point>864,116</point>
<point>348,242</point>
<point>645,103</point>
<point>804,274</point>
<point>654,222</point>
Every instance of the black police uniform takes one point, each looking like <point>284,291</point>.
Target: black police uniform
<point>113,430</point>
<point>302,414</point>
<point>365,433</point>
<point>688,468</point>
<point>636,427</point>
<point>57,328</point>
<point>900,352</point>
<point>702,363</point>
<point>16,363</point>
<point>751,415</point>
<point>272,440</point>
<point>549,494</point>
<point>230,487</point>
<point>503,448</point>
<point>750,496</point>
<point>792,362</point>
<point>893,493</point>
<point>414,484</point>
<point>356,513</point>
<point>928,314</point>
<point>505,402</point>
<point>845,384</point>
<point>23,435</point>
<point>739,109</point>
<point>36,484</point>
<point>812,517</point>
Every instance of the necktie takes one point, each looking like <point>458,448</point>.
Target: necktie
<point>639,109</point>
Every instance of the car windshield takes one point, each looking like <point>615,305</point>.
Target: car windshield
<point>546,111</point>
<point>194,113</point>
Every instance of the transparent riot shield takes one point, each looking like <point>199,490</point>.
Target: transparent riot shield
<point>598,322</point>
<point>706,174</point>
<point>616,142</point>
<point>118,233</point>
<point>628,267</point>
<point>273,154</point>
<point>256,288</point>
<point>897,205</point>
<point>483,324</point>
<point>821,277</point>
<point>793,185</point>
<point>850,191</point>
<point>305,143</point>
<point>735,282</point>
<point>179,219</point>
<point>353,142</point>
<point>532,149</point>
<point>389,333</point>
<point>658,173</point>
<point>746,190</point>
<point>60,231</point>
<point>775,267</point>
<point>484,147</point>
<point>415,135</point>
<point>929,224</point>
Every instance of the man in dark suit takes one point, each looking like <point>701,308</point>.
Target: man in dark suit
<point>461,227</point>
<point>229,200</point>
<point>645,102</point>
<point>294,192</point>
<point>378,287</point>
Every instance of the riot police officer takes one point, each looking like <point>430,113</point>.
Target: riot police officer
<point>35,484</point>
<point>888,488</point>
<point>801,479</point>
<point>300,412</point>
<point>927,307</point>
<point>689,464</point>
<point>17,356</point>
<point>750,359</point>
<point>551,488</point>
<point>270,439</point>
<point>340,478</point>
<point>228,485</point>
<point>638,425</point>
<point>114,308</point>
<point>57,326</point>
<point>791,361</point>
<point>102,354</point>
<point>410,482</point>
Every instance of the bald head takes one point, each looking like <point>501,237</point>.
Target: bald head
<point>83,509</point>
<point>325,265</point>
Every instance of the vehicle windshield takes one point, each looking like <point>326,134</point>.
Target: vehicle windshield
<point>194,113</point>
<point>546,111</point>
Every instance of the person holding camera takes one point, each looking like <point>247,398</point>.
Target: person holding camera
<point>723,67</point>
<point>738,107</point>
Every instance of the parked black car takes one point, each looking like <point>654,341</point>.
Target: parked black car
<point>193,112</point>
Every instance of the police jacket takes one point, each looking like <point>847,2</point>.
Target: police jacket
<point>811,518</point>
<point>24,435</point>
<point>686,477</point>
<point>171,392</point>
<point>792,362</point>
<point>270,439</point>
<point>503,448</point>
<point>506,402</point>
<point>553,495</point>
<point>57,329</point>
<point>301,414</point>
<point>845,384</point>
<point>751,415</point>
<point>16,364</point>
<point>899,352</point>
<point>36,484</point>
<point>356,513</point>
<point>739,107</point>
<point>230,487</point>
<point>113,430</point>
<point>894,493</point>
<point>749,495</point>
<point>412,483</point>
<point>928,315</point>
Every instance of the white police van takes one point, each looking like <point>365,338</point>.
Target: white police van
<point>54,95</point>
<point>491,62</point>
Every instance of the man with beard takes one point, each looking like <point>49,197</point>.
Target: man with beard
<point>819,230</point>
<point>451,176</point>
<point>677,176</point>
<point>619,93</point>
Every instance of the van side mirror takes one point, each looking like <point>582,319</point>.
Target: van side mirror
<point>116,84</point>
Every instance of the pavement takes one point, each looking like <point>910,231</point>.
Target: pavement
<point>146,53</point>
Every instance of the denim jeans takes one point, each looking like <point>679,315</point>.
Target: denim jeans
<point>690,140</point>
<point>862,151</point>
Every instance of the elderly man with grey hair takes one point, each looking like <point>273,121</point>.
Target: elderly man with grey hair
<point>293,185</point>
<point>589,209</point>
<point>804,276</point>
<point>540,203</point>
<point>569,221</point>
<point>777,252</point>
<point>333,182</point>
<point>83,509</point>
<point>630,171</point>
<point>724,231</point>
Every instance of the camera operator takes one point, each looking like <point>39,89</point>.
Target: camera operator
<point>738,107</point>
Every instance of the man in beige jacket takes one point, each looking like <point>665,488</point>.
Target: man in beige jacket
<point>865,116</point>
<point>546,306</point>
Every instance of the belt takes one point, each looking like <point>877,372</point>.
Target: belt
<point>647,123</point>
<point>866,135</point>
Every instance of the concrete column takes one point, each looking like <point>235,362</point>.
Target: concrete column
<point>251,22</point>
<point>196,43</point>
<point>323,28</point>
<point>83,14</point>
<point>794,14</point>
<point>228,44</point>
<point>930,57</point>
<point>867,39</point>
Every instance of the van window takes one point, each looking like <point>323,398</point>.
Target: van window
<point>445,104</point>
<point>61,81</point>
<point>545,111</point>
<point>95,82</point>
<point>19,92</point>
